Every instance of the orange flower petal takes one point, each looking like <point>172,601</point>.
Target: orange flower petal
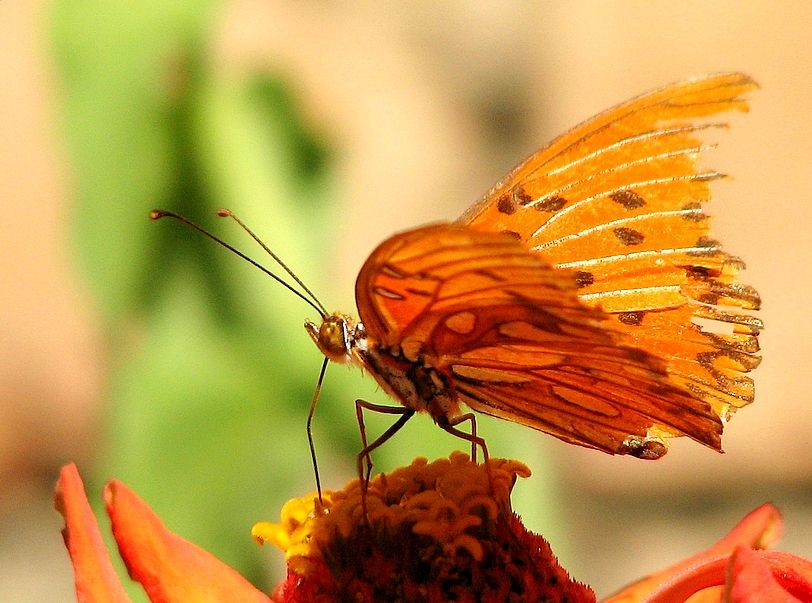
<point>758,529</point>
<point>169,568</point>
<point>95,578</point>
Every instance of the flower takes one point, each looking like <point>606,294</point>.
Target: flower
<point>169,568</point>
<point>440,531</point>
<point>431,532</point>
<point>736,569</point>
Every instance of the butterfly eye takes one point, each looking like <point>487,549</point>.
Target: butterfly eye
<point>331,337</point>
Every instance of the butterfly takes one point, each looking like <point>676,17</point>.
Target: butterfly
<point>582,296</point>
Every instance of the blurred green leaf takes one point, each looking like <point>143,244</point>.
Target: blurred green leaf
<point>207,398</point>
<point>118,67</point>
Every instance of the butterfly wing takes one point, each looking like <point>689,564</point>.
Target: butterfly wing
<point>618,200</point>
<point>509,337</point>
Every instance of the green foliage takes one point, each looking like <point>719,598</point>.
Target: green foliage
<point>211,374</point>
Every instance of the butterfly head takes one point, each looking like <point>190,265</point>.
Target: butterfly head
<point>336,336</point>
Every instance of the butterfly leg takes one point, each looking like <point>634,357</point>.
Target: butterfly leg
<point>310,415</point>
<point>450,426</point>
<point>364,458</point>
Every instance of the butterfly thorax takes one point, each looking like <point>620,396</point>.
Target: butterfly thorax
<point>411,381</point>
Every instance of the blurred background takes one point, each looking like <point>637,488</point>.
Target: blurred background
<point>141,351</point>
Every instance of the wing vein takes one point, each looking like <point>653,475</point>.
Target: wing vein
<point>633,256</point>
<point>632,291</point>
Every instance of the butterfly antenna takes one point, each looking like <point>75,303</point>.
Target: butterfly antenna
<point>226,213</point>
<point>157,214</point>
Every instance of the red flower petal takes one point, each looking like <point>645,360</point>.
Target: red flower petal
<point>750,580</point>
<point>768,576</point>
<point>95,578</point>
<point>168,567</point>
<point>758,529</point>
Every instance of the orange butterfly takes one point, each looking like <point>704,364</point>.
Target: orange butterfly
<point>568,298</point>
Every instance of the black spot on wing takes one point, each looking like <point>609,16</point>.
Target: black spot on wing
<point>507,204</point>
<point>628,199</point>
<point>693,213</point>
<point>701,273</point>
<point>510,202</point>
<point>631,318</point>
<point>522,196</point>
<point>629,236</point>
<point>584,279</point>
<point>551,204</point>
<point>708,247</point>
